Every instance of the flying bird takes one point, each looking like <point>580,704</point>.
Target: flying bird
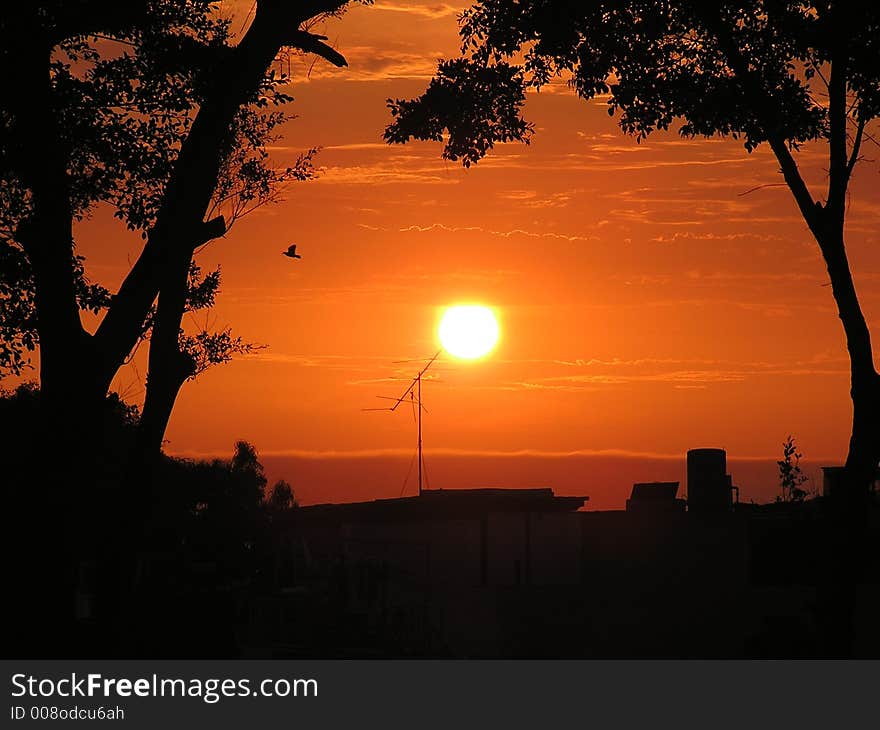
<point>291,252</point>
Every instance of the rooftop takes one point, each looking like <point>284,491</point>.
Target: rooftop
<point>437,504</point>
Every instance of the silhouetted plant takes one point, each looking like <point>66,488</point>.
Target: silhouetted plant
<point>791,478</point>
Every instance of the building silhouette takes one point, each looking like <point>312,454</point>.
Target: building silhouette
<point>527,573</point>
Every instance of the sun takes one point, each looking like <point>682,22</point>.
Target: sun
<point>468,331</point>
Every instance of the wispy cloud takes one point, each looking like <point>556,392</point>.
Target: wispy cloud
<point>466,453</point>
<point>575,375</point>
<point>357,146</point>
<point>427,10</point>
<point>615,373</point>
<point>710,236</point>
<point>384,174</point>
<point>372,63</point>
<point>531,199</point>
<point>503,234</point>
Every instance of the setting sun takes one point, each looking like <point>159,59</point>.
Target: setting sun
<point>468,331</point>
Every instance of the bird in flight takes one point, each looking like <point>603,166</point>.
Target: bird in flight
<point>291,252</point>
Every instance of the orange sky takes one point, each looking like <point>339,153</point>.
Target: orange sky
<point>647,305</point>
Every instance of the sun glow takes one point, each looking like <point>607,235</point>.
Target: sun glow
<point>468,331</point>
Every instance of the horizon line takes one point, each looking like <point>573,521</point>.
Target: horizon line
<point>334,454</point>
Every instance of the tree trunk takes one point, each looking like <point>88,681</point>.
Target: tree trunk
<point>51,526</point>
<point>185,202</point>
<point>864,445</point>
<point>849,504</point>
<point>163,385</point>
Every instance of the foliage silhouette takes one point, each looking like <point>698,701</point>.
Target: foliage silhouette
<point>281,497</point>
<point>152,108</point>
<point>791,478</point>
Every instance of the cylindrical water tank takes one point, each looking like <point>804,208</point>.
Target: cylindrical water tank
<point>707,483</point>
<point>708,462</point>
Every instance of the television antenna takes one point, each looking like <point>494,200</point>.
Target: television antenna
<point>413,395</point>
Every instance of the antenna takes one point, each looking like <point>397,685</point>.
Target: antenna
<point>414,391</point>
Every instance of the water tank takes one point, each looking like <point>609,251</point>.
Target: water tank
<point>707,481</point>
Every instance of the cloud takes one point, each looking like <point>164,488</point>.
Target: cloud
<point>356,146</point>
<point>709,236</point>
<point>375,381</point>
<point>504,234</point>
<point>316,454</point>
<point>614,373</point>
<point>371,63</point>
<point>618,148</point>
<point>330,362</point>
<point>383,174</point>
<point>530,199</point>
<point>616,362</point>
<point>431,11</point>
<point>479,453</point>
<point>592,162</point>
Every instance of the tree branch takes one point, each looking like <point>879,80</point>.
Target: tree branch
<point>838,165</point>
<point>857,144</point>
<point>208,231</point>
<point>764,106</point>
<point>311,43</point>
<point>188,192</point>
<point>165,258</point>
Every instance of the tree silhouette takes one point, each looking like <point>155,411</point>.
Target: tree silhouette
<point>761,71</point>
<point>153,108</point>
<point>280,497</point>
<point>148,106</point>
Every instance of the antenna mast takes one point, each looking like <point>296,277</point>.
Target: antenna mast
<point>414,391</point>
<point>419,397</point>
